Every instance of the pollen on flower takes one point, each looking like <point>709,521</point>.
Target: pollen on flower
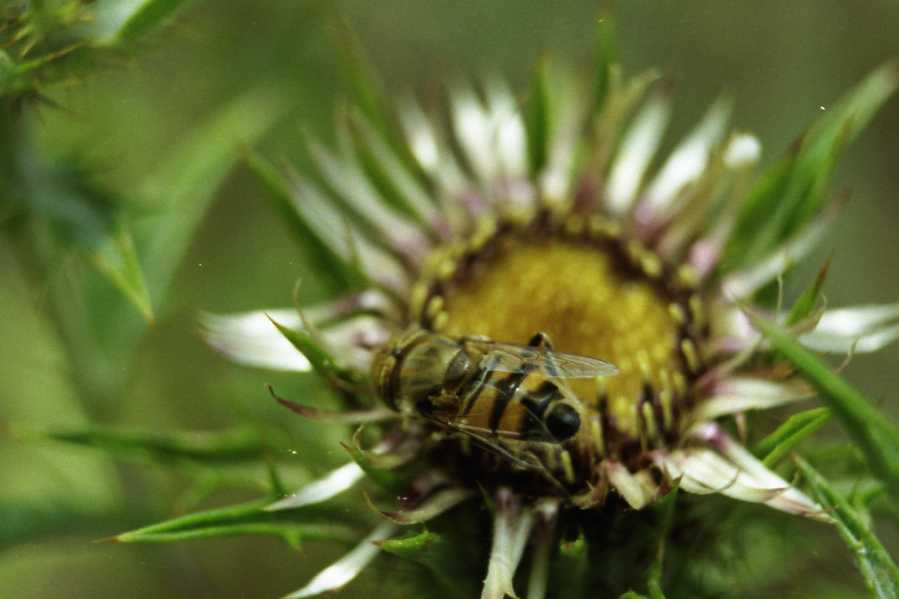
<point>593,293</point>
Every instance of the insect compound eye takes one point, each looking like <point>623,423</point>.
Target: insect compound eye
<point>457,369</point>
<point>563,422</point>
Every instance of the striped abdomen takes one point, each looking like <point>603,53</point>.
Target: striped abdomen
<point>523,406</point>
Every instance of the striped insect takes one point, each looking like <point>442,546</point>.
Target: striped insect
<point>490,390</point>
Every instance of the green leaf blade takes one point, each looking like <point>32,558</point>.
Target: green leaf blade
<point>210,448</point>
<point>122,22</point>
<point>537,120</point>
<point>777,445</point>
<point>873,431</point>
<point>250,518</point>
<point>319,358</point>
<point>880,573</point>
<point>387,480</point>
<point>368,93</point>
<point>808,300</point>
<point>438,555</point>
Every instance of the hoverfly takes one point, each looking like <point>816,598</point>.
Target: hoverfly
<point>477,386</point>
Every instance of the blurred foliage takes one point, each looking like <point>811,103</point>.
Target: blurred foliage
<point>795,189</point>
<point>50,41</point>
<point>120,122</point>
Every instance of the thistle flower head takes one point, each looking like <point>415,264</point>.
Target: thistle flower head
<point>558,216</point>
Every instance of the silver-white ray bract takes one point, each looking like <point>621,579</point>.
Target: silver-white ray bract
<point>341,572</point>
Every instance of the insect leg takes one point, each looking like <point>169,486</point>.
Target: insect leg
<point>540,340</point>
<point>471,395</point>
<point>526,460</point>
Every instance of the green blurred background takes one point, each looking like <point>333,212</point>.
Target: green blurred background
<point>783,62</point>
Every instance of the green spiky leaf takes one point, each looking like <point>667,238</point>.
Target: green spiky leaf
<point>777,445</point>
<point>384,170</point>
<point>118,22</point>
<point>386,479</point>
<point>880,573</point>
<point>210,448</point>
<point>370,98</point>
<point>293,526</point>
<point>872,430</point>
<point>808,299</point>
<point>61,38</point>
<point>27,520</point>
<point>21,78</point>
<point>321,360</point>
<point>537,119</point>
<point>439,556</point>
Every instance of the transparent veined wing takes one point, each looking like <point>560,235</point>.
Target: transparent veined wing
<point>504,357</point>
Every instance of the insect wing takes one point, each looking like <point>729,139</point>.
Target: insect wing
<point>503,357</point>
<point>571,366</point>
